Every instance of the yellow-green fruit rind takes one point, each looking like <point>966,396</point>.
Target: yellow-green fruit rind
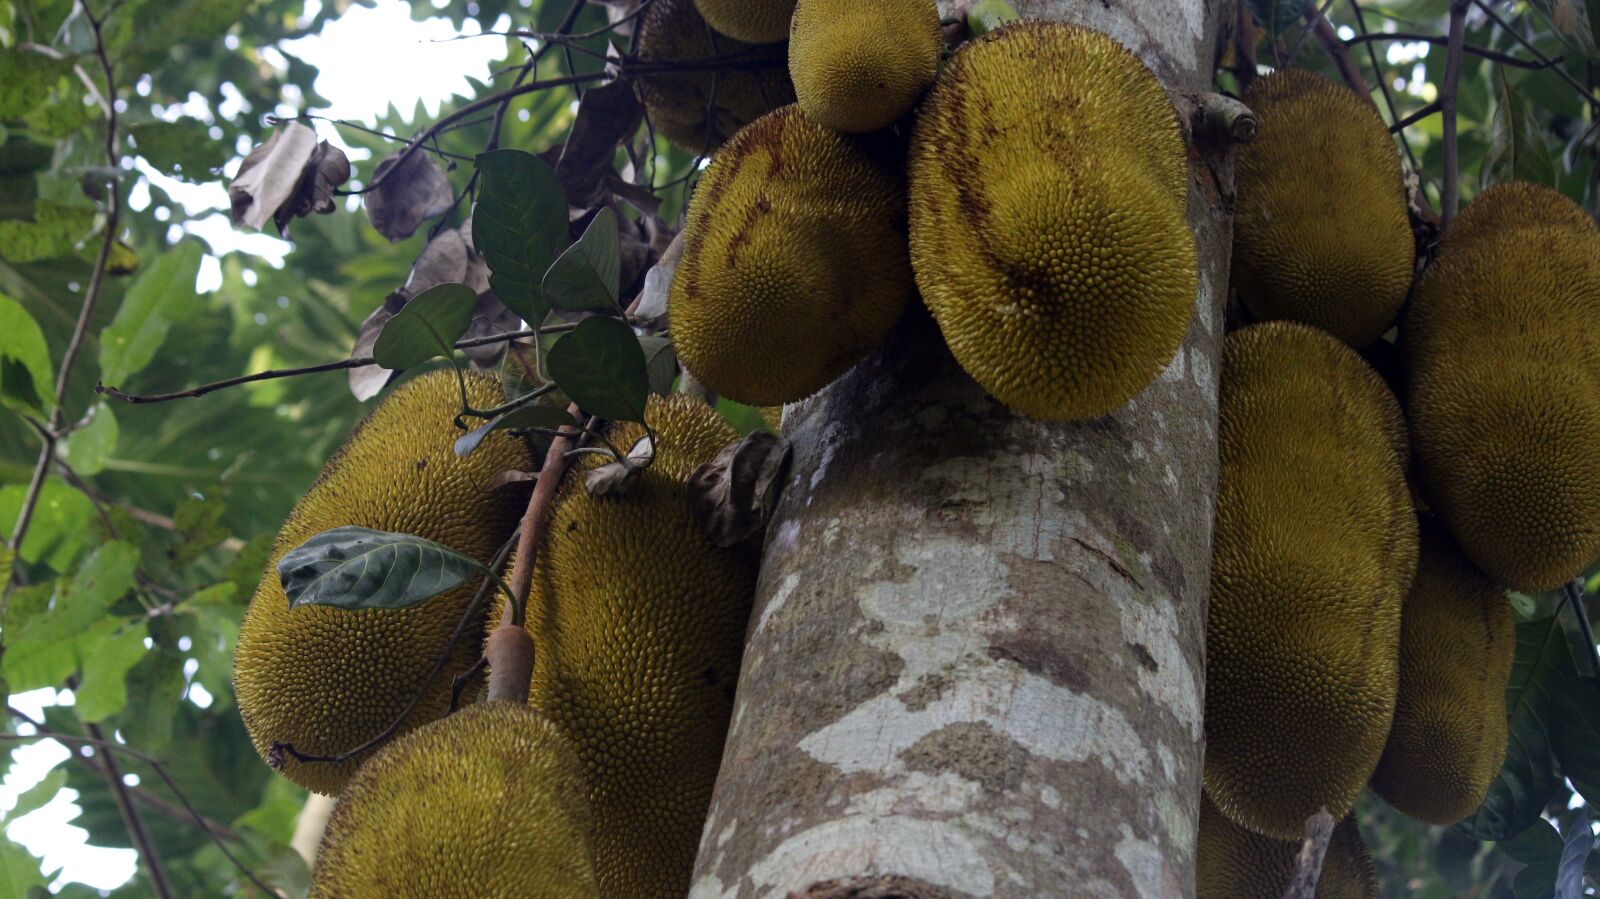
<point>1503,365</point>
<point>1233,863</point>
<point>794,262</point>
<point>1314,551</point>
<point>680,104</point>
<point>862,66</point>
<point>1457,643</point>
<point>756,21</point>
<point>1327,245</point>
<point>639,624</point>
<point>327,680</point>
<point>1053,249</point>
<point>490,801</point>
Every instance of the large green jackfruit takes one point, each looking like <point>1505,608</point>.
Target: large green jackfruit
<point>862,66</point>
<point>638,622</point>
<point>327,680</point>
<point>1328,244</point>
<point>756,21</point>
<point>698,110</point>
<point>490,801</point>
<point>1314,550</point>
<point>1233,863</point>
<point>794,260</point>
<point>1503,366</point>
<point>1457,642</point>
<point>1048,198</point>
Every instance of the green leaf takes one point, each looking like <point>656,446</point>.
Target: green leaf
<point>1518,794</point>
<point>165,291</point>
<point>600,366</point>
<point>519,225</point>
<point>1539,848</point>
<point>987,15</point>
<point>1518,149</point>
<point>1277,16</point>
<point>88,448</point>
<point>38,795</point>
<point>182,149</point>
<point>360,568</point>
<point>1578,843</point>
<point>19,870</point>
<point>428,326</point>
<point>533,415</point>
<point>661,361</point>
<point>27,377</point>
<point>57,534</point>
<point>586,275</point>
<point>1594,20</point>
<point>56,230</point>
<point>103,689</point>
<point>25,80</point>
<point>1577,735</point>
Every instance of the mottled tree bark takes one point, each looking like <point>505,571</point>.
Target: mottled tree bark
<point>975,661</point>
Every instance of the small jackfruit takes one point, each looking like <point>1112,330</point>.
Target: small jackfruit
<point>1457,642</point>
<point>699,109</point>
<point>1053,250</point>
<point>1314,550</point>
<point>862,66</point>
<point>490,801</point>
<point>1233,863</point>
<point>794,260</point>
<point>1328,244</point>
<point>756,21</point>
<point>638,622</point>
<point>1503,366</point>
<point>327,680</point>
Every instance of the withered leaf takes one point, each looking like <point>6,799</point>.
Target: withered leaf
<point>618,478</point>
<point>270,174</point>
<point>605,115</point>
<point>407,191</point>
<point>733,496</point>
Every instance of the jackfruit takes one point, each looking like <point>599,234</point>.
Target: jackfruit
<point>327,680</point>
<point>1233,863</point>
<point>1503,375</point>
<point>1314,550</point>
<point>794,262</point>
<point>638,622</point>
<point>862,66</point>
<point>698,110</point>
<point>756,21</point>
<point>490,801</point>
<point>1053,248</point>
<point>1327,244</point>
<point>1457,641</point>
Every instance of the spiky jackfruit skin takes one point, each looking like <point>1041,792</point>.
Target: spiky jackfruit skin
<point>1233,863</point>
<point>794,262</point>
<point>680,103</point>
<point>1503,366</point>
<point>862,66</point>
<point>1457,642</point>
<point>1048,198</point>
<point>1314,550</point>
<point>1328,245</point>
<point>756,21</point>
<point>490,801</point>
<point>638,622</point>
<point>327,680</point>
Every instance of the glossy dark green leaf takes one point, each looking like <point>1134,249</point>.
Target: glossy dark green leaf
<point>534,415</point>
<point>1527,780</point>
<point>586,275</point>
<point>520,226</point>
<point>162,293</point>
<point>1539,849</point>
<point>1277,16</point>
<point>1577,844</point>
<point>1594,21</point>
<point>661,361</point>
<point>601,367</point>
<point>428,326</point>
<point>1518,149</point>
<point>360,568</point>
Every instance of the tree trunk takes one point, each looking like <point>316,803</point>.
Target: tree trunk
<point>976,655</point>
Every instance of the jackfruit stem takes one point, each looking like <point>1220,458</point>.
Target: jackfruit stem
<point>533,520</point>
<point>1313,851</point>
<point>509,652</point>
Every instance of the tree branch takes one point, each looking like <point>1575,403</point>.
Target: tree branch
<point>1308,864</point>
<point>132,822</point>
<point>1583,91</point>
<point>1339,54</point>
<point>1450,196</point>
<point>1504,59</point>
<point>1313,19</point>
<point>1383,86</point>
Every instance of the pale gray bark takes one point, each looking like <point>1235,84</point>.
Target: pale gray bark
<point>975,662</point>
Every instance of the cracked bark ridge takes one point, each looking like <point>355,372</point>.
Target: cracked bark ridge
<point>975,660</point>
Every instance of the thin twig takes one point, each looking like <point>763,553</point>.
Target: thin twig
<point>1450,198</point>
<point>1244,48</point>
<point>340,365</point>
<point>1349,70</point>
<point>1383,85</point>
<point>1321,15</point>
<point>1308,863</point>
<point>1583,91</point>
<point>533,520</point>
<point>1574,594</point>
<point>132,821</point>
<point>1415,117</point>
<point>1504,59</point>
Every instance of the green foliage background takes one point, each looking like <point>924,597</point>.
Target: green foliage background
<point>153,529</point>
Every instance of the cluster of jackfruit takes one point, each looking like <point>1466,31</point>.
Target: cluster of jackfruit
<point>326,680</point>
<point>1502,358</point>
<point>1054,252</point>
